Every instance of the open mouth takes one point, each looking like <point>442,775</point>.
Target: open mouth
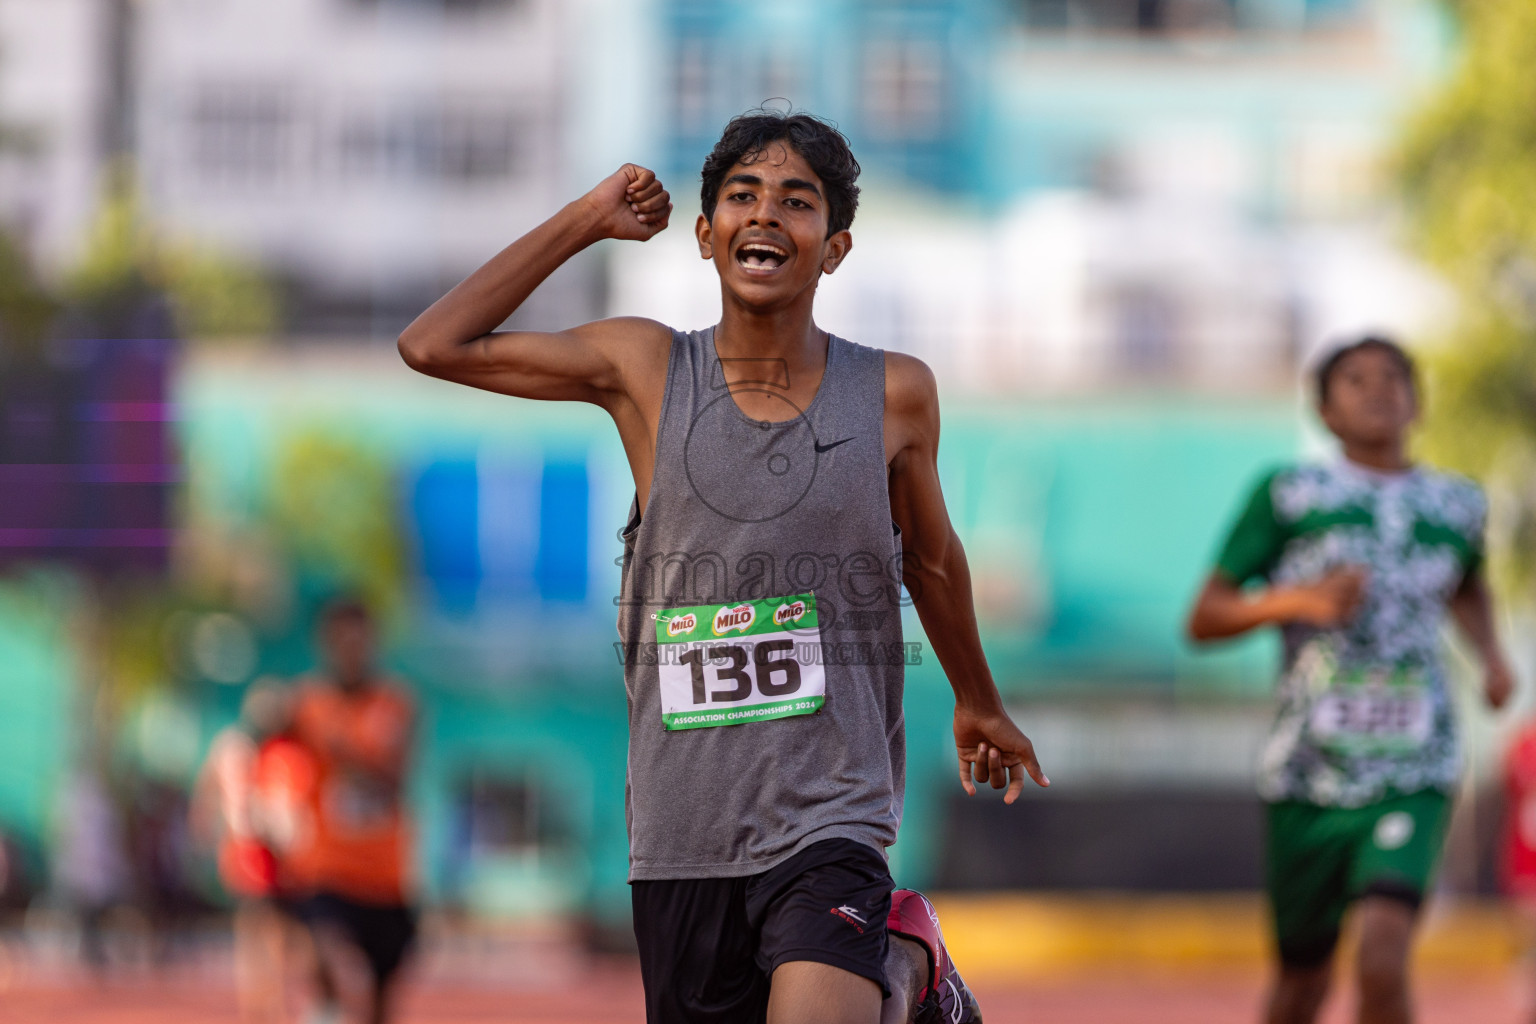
<point>761,256</point>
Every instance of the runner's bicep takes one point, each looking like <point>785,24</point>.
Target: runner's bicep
<point>912,444</point>
<point>918,509</point>
<point>582,364</point>
<point>526,364</point>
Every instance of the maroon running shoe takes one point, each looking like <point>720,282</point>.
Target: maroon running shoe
<point>945,999</point>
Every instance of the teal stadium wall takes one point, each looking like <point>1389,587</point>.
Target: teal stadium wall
<point>1088,525</point>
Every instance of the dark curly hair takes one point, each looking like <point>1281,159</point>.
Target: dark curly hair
<point>1326,366</point>
<point>817,141</point>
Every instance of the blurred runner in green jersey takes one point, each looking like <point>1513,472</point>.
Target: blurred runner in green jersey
<point>1357,560</point>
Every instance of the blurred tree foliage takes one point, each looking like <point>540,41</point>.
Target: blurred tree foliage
<point>27,310</point>
<point>210,295</point>
<point>129,270</point>
<point>1467,169</point>
<point>26,307</point>
<point>334,507</point>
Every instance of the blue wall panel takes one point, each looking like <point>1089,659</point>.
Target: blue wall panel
<point>446,508</point>
<point>561,570</point>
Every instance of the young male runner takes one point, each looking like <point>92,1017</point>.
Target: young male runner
<point>1359,560</point>
<point>778,473</point>
<point>358,726</point>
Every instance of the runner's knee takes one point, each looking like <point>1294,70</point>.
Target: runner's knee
<point>1305,980</point>
<point>906,969</point>
<point>1302,956</point>
<point>1386,934</point>
<point>1381,973</point>
<point>807,992</point>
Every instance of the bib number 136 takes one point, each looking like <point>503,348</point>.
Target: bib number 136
<point>755,661</point>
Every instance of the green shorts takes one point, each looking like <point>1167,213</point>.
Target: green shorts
<point>1322,858</point>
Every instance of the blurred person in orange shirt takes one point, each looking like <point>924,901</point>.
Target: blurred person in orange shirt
<point>252,801</point>
<point>1518,848</point>
<point>358,725</point>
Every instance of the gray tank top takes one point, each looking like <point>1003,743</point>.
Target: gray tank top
<point>760,621</point>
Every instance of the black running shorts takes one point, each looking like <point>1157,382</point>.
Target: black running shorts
<point>708,946</point>
<point>384,934</point>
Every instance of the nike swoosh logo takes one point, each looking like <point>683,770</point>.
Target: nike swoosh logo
<point>828,447</point>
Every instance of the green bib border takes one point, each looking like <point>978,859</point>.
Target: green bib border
<point>743,716</point>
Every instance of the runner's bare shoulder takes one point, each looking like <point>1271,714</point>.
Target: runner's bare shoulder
<point>911,403</point>
<point>909,382</point>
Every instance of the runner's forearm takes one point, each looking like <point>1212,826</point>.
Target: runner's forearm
<point>1223,610</point>
<point>947,609</point>
<point>1472,608</point>
<point>479,303</point>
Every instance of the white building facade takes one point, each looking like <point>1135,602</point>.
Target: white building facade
<point>54,85</point>
<point>367,153</point>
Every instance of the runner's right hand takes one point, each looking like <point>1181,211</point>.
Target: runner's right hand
<point>1332,601</point>
<point>630,203</point>
<point>991,749</point>
<point>1498,683</point>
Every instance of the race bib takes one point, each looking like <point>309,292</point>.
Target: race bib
<point>1375,717</point>
<point>735,664</point>
<point>357,804</point>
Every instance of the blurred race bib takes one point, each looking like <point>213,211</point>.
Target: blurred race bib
<point>357,804</point>
<point>1384,716</point>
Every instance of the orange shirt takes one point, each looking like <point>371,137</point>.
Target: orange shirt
<point>360,741</point>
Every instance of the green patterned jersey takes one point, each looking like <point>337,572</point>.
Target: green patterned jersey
<point>1365,709</point>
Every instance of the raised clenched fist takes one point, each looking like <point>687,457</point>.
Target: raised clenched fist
<point>630,203</point>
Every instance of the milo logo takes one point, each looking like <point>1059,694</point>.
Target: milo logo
<point>792,612</point>
<point>680,624</point>
<point>739,618</point>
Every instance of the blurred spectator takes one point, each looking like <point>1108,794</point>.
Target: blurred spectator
<point>1518,849</point>
<point>16,880</point>
<point>252,801</point>
<point>160,853</point>
<point>91,871</point>
<point>359,727</point>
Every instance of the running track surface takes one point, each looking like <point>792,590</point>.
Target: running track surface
<point>608,992</point>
